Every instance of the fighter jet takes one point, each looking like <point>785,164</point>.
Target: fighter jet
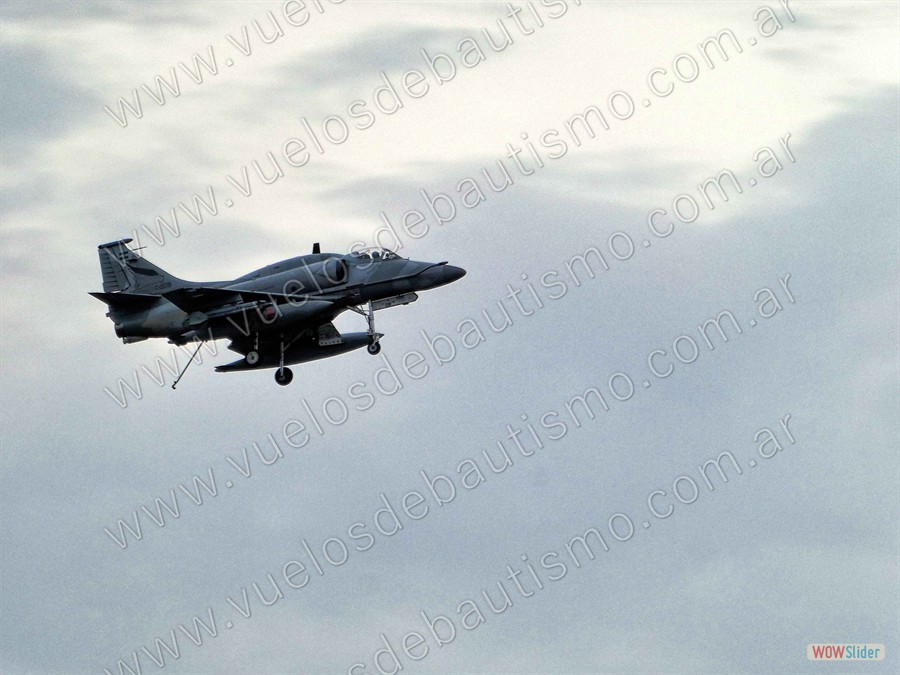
<point>276,316</point>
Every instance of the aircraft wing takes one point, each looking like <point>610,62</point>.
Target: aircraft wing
<point>309,344</point>
<point>324,332</point>
<point>202,298</point>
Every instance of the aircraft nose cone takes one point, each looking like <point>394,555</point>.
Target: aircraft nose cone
<point>440,275</point>
<point>453,273</point>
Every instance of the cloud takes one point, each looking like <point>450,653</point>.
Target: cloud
<point>743,565</point>
<point>39,104</point>
<point>388,49</point>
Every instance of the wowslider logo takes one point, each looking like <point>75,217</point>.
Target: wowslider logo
<point>844,652</point>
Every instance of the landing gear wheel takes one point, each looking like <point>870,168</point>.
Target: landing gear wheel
<point>374,348</point>
<point>252,358</point>
<point>284,376</point>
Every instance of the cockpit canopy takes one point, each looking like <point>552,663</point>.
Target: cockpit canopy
<point>374,253</point>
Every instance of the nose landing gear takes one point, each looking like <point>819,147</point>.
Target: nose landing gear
<point>374,338</point>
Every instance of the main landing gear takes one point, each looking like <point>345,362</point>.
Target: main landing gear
<point>252,357</point>
<point>283,375</point>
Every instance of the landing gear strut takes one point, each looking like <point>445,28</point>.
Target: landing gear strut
<point>283,376</point>
<point>374,338</point>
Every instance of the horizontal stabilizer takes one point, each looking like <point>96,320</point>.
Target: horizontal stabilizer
<point>126,300</point>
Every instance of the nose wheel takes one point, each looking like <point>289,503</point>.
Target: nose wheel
<point>374,348</point>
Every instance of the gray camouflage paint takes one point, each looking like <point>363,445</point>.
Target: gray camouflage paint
<point>275,316</point>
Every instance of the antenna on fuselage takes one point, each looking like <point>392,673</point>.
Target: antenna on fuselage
<point>316,248</point>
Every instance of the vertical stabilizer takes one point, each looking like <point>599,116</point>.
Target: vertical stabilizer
<point>125,272</point>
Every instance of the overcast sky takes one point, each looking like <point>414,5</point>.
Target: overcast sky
<point>800,547</point>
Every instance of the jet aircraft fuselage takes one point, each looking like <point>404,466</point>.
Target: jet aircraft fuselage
<point>277,315</point>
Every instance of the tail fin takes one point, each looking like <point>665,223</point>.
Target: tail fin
<point>126,272</point>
